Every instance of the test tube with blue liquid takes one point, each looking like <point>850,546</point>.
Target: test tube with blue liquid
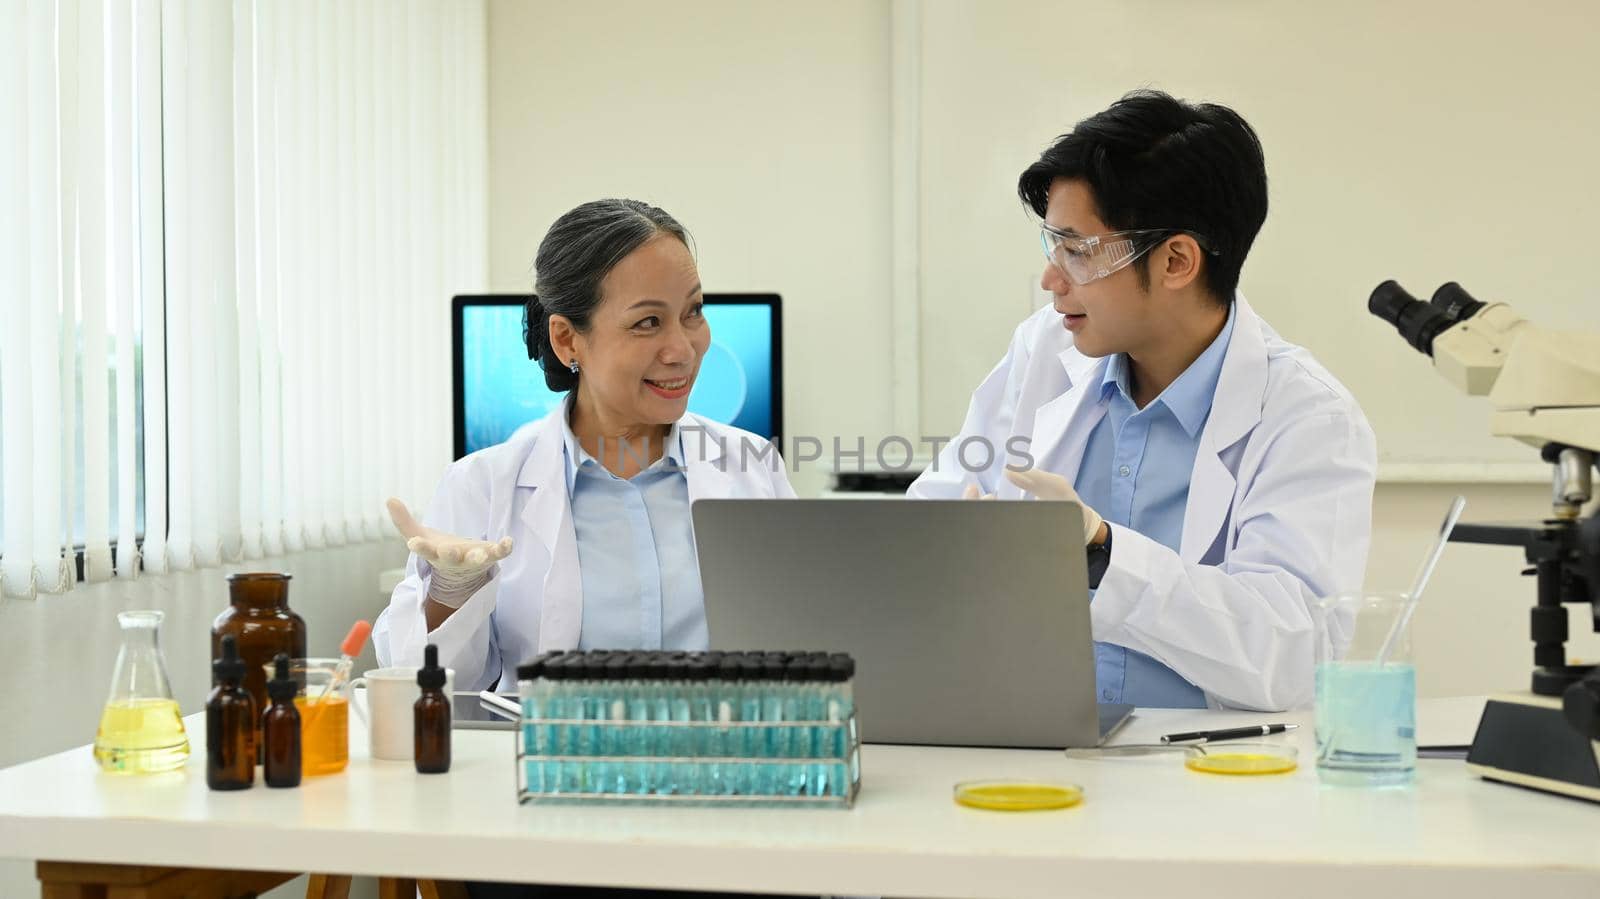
<point>533,739</point>
<point>553,736</point>
<point>838,710</point>
<point>697,718</point>
<point>600,709</point>
<point>615,742</point>
<point>748,735</point>
<point>723,738</point>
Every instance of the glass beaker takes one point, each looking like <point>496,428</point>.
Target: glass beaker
<point>262,626</point>
<point>1366,711</point>
<point>141,729</point>
<point>324,723</point>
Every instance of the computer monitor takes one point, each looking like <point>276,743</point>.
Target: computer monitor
<point>498,389</point>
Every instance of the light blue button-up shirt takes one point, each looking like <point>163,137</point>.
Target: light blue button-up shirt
<point>1135,473</point>
<point>636,555</point>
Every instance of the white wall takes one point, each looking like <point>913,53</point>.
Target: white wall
<point>58,652</point>
<point>760,126</point>
<point>1423,141</point>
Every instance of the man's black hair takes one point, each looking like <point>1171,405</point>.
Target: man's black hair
<point>1154,161</point>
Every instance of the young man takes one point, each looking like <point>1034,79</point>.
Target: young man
<point>1226,477</point>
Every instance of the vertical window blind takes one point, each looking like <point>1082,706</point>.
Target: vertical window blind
<point>228,237</point>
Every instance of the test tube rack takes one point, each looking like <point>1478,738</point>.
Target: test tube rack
<point>742,729</point>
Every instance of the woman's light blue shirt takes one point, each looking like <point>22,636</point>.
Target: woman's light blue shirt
<point>636,555</point>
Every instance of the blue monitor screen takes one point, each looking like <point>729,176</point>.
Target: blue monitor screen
<point>501,389</point>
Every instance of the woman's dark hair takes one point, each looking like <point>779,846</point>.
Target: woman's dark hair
<point>577,253</point>
<point>1154,161</point>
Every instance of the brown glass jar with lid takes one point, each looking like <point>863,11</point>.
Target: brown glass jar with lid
<point>262,625</point>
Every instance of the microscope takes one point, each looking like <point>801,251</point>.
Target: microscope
<point>1544,387</point>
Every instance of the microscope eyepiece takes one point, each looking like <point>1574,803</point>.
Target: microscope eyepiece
<point>1455,303</point>
<point>1418,322</point>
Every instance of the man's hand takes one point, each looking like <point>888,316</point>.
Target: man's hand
<point>1044,485</point>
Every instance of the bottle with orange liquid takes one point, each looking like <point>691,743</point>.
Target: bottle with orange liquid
<point>323,701</point>
<point>324,732</point>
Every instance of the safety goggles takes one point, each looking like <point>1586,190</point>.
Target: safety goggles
<point>1085,260</point>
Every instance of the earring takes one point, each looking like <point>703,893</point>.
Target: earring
<point>574,366</point>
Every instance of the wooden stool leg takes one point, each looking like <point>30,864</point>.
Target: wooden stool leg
<point>397,888</point>
<point>442,889</point>
<point>328,886</point>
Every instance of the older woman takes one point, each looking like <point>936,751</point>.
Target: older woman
<point>575,532</point>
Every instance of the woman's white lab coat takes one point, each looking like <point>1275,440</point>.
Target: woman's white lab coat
<point>534,602</point>
<point>1279,510</point>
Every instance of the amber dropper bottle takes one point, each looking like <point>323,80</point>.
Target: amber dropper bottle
<point>230,724</point>
<point>431,714</point>
<point>280,729</point>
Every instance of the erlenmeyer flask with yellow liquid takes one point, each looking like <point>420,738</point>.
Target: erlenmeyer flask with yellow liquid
<point>141,729</point>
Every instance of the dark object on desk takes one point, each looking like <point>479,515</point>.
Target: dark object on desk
<point>1530,745</point>
<point>280,729</point>
<point>431,717</point>
<point>230,724</point>
<point>895,482</point>
<point>1232,733</point>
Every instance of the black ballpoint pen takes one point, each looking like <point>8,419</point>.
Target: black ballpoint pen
<point>1232,733</point>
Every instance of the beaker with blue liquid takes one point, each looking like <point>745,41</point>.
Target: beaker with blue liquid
<point>1366,692</point>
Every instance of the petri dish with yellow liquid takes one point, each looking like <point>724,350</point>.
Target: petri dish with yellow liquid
<point>1017,795</point>
<point>1242,759</point>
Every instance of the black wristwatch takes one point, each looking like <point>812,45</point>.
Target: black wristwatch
<point>1099,560</point>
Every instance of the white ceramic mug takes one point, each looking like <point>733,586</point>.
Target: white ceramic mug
<point>391,693</point>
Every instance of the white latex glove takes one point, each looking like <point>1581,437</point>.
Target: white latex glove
<point>460,566</point>
<point>1044,485</point>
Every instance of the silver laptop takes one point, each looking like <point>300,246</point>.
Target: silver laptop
<point>969,621</point>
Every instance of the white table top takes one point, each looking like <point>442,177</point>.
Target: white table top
<point>1148,826</point>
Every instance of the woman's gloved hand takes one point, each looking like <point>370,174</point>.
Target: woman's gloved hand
<point>1045,485</point>
<point>460,566</point>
